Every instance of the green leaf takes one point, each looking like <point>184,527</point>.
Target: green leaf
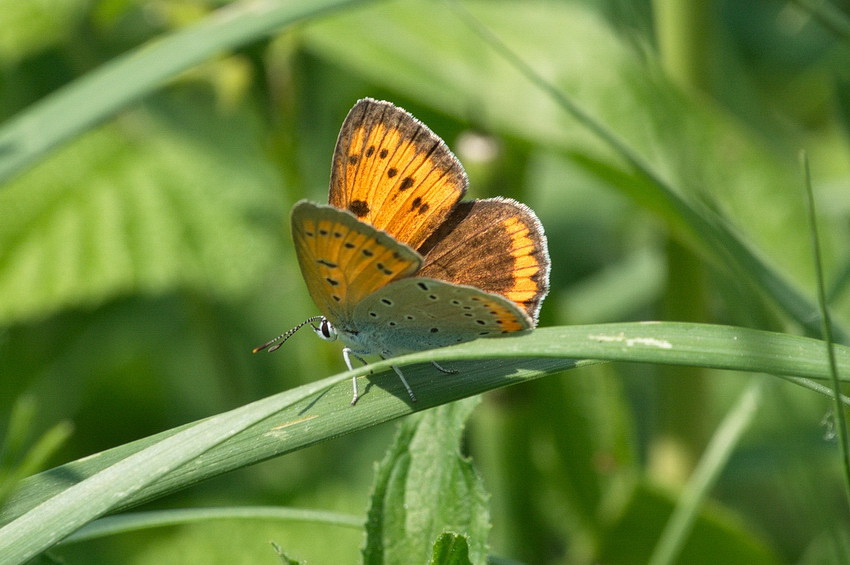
<point>16,461</point>
<point>451,549</point>
<point>678,531</point>
<point>425,487</point>
<point>314,412</point>
<point>166,197</point>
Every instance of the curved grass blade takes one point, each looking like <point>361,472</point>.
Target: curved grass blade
<point>701,227</point>
<point>26,138</point>
<point>135,521</point>
<point>67,497</point>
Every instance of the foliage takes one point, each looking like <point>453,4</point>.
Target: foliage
<point>150,151</point>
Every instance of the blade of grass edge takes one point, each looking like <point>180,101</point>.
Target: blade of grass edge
<point>136,521</point>
<point>838,410</point>
<point>513,360</point>
<point>57,517</point>
<point>18,461</point>
<point>723,443</point>
<point>721,239</point>
<point>314,418</point>
<point>60,116</point>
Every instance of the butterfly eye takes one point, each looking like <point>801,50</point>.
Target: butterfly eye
<point>325,330</point>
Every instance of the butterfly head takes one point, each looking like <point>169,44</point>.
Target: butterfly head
<point>324,330</point>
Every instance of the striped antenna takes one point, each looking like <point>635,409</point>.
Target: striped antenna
<point>279,340</point>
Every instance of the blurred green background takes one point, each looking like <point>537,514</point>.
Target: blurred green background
<point>141,261</point>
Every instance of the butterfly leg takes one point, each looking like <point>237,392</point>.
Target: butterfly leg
<point>347,354</point>
<point>404,382</point>
<point>442,370</point>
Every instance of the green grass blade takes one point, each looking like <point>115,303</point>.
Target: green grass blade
<point>18,461</point>
<point>670,343</point>
<point>52,520</point>
<point>25,139</point>
<point>713,461</point>
<point>711,234</point>
<point>135,521</point>
<point>321,410</point>
<point>150,468</point>
<point>826,323</point>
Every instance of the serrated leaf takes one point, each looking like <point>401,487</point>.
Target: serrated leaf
<point>425,487</point>
<point>167,196</point>
<point>451,549</point>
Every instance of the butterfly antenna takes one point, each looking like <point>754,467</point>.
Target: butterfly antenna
<point>279,340</point>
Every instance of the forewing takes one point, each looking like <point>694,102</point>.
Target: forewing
<point>344,260</point>
<point>394,173</point>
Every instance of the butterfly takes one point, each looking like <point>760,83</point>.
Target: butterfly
<point>396,262</point>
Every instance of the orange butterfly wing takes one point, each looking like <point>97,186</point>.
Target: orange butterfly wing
<point>344,261</point>
<point>394,173</point>
<point>495,244</point>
